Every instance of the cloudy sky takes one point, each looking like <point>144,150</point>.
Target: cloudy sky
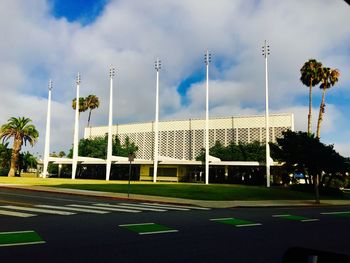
<point>55,39</point>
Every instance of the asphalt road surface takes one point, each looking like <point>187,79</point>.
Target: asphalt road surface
<point>69,228</point>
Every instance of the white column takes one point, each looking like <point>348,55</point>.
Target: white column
<point>207,61</point>
<point>266,52</point>
<point>110,119</point>
<point>47,135</point>
<point>76,131</point>
<point>156,124</point>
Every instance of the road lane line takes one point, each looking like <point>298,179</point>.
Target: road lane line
<point>158,207</point>
<point>178,206</point>
<point>13,213</point>
<point>255,224</point>
<point>310,220</point>
<point>335,213</point>
<point>39,210</point>
<point>139,224</point>
<point>283,215</point>
<point>108,208</point>
<point>159,232</point>
<point>74,209</point>
<point>132,207</point>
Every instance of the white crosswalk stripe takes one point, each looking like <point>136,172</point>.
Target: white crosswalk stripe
<point>17,214</point>
<point>146,205</point>
<point>177,206</point>
<point>86,210</point>
<point>109,208</point>
<point>130,206</point>
<point>38,210</point>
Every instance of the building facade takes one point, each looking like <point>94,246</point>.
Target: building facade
<point>184,139</point>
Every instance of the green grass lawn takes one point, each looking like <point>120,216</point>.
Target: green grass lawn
<point>179,190</point>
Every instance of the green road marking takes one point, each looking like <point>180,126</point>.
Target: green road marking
<point>296,218</point>
<point>235,221</point>
<point>148,228</point>
<point>20,238</point>
<point>339,213</point>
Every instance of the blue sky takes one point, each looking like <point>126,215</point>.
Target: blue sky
<point>55,39</point>
<point>82,11</point>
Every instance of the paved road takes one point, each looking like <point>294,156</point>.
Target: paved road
<point>97,230</point>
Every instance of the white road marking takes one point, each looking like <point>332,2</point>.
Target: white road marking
<point>158,206</point>
<point>74,209</point>
<point>280,215</point>
<point>139,224</point>
<point>12,213</point>
<point>178,206</point>
<point>159,232</point>
<point>108,208</point>
<point>131,206</point>
<point>244,225</point>
<point>336,213</point>
<point>310,220</point>
<point>39,210</point>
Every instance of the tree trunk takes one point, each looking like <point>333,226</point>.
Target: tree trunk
<point>320,114</point>
<point>309,116</point>
<point>88,124</point>
<point>14,157</point>
<point>316,186</point>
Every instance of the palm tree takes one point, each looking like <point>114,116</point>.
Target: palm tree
<point>328,78</point>
<point>310,76</point>
<point>22,132</point>
<point>82,104</point>
<point>91,102</point>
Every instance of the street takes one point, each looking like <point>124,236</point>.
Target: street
<point>105,230</point>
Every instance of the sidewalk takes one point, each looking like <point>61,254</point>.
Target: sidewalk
<point>171,200</point>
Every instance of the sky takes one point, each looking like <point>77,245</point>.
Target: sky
<point>56,39</point>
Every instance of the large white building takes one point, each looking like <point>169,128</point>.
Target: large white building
<point>181,141</point>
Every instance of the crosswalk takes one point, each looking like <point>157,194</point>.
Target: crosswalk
<point>95,208</point>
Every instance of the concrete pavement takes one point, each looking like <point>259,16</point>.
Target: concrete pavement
<point>172,200</point>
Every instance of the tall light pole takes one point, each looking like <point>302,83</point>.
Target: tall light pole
<point>76,130</point>
<point>47,135</point>
<point>110,119</point>
<point>207,60</point>
<point>156,128</point>
<point>265,53</point>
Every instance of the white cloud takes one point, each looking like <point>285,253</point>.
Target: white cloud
<point>131,34</point>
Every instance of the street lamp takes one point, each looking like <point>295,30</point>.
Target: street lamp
<point>76,130</point>
<point>265,53</point>
<point>47,135</point>
<point>207,60</point>
<point>131,158</point>
<point>156,126</point>
<point>110,119</point>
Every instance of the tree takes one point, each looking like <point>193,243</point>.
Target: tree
<point>328,78</point>
<point>91,102</point>
<point>310,76</point>
<point>27,161</point>
<point>304,152</point>
<point>22,132</point>
<point>82,104</point>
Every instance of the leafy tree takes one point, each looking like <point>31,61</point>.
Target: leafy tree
<point>22,132</point>
<point>328,78</point>
<point>242,152</point>
<point>5,155</point>
<point>27,161</point>
<point>82,104</point>
<point>302,151</point>
<point>310,76</point>
<point>97,147</point>
<point>91,102</point>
